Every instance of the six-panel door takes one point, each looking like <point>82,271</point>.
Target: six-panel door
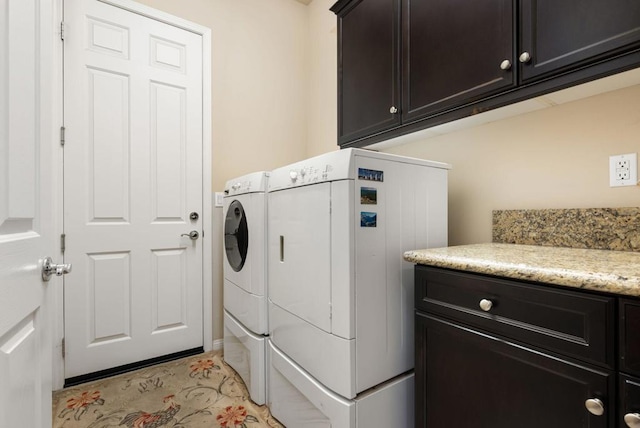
<point>132,175</point>
<point>26,212</point>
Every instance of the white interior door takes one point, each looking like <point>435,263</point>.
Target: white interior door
<point>133,169</point>
<point>26,226</point>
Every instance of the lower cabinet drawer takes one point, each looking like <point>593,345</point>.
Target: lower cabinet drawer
<point>467,378</point>
<point>577,324</point>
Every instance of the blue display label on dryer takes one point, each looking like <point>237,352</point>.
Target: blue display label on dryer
<point>370,174</point>
<point>368,219</point>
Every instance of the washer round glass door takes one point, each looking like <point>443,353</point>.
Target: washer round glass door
<point>236,236</point>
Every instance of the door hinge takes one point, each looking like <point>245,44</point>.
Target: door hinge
<point>62,135</point>
<point>62,30</point>
<point>64,348</point>
<point>63,242</point>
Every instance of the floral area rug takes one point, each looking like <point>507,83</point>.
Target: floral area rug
<point>193,392</point>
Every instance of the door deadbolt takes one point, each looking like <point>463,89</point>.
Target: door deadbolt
<point>194,216</point>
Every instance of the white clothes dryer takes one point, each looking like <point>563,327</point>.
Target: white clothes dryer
<point>340,293</point>
<point>245,280</point>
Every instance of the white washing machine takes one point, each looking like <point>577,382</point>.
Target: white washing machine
<point>245,280</point>
<point>340,294</point>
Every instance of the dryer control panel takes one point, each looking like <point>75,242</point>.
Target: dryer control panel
<point>309,174</point>
<point>250,183</point>
<point>329,167</point>
<point>333,166</point>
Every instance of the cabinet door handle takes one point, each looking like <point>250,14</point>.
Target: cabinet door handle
<point>632,420</point>
<point>393,110</point>
<point>486,305</point>
<point>595,406</point>
<point>525,57</point>
<point>505,65</point>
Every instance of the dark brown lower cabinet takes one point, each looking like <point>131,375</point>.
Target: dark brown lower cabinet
<point>629,401</point>
<point>629,381</point>
<point>469,378</point>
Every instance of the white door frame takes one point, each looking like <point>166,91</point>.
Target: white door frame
<point>207,219</point>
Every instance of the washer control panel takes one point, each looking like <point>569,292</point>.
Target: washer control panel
<point>238,187</point>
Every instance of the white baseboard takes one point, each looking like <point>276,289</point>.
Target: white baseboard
<point>218,344</point>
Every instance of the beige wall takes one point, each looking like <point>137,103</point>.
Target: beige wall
<point>323,66</point>
<point>259,93</point>
<point>552,158</point>
<point>259,80</point>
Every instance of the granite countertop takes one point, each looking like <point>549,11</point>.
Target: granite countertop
<point>598,270</point>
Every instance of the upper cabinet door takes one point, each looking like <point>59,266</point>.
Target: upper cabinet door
<point>455,51</point>
<point>560,34</point>
<point>368,67</point>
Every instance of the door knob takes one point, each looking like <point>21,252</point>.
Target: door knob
<point>49,269</point>
<point>632,420</point>
<point>193,235</point>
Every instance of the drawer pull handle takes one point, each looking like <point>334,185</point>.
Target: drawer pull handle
<point>632,420</point>
<point>486,305</point>
<point>594,406</point>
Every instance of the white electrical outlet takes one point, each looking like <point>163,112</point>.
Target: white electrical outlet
<point>623,170</point>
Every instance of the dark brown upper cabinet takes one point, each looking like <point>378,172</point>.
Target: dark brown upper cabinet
<point>368,67</point>
<point>407,65</point>
<point>455,52</point>
<point>557,35</point>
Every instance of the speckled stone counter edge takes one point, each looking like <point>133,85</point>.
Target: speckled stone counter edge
<point>615,229</point>
<point>614,272</point>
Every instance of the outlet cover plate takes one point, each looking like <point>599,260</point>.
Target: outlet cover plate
<point>623,170</point>
<point>218,199</point>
